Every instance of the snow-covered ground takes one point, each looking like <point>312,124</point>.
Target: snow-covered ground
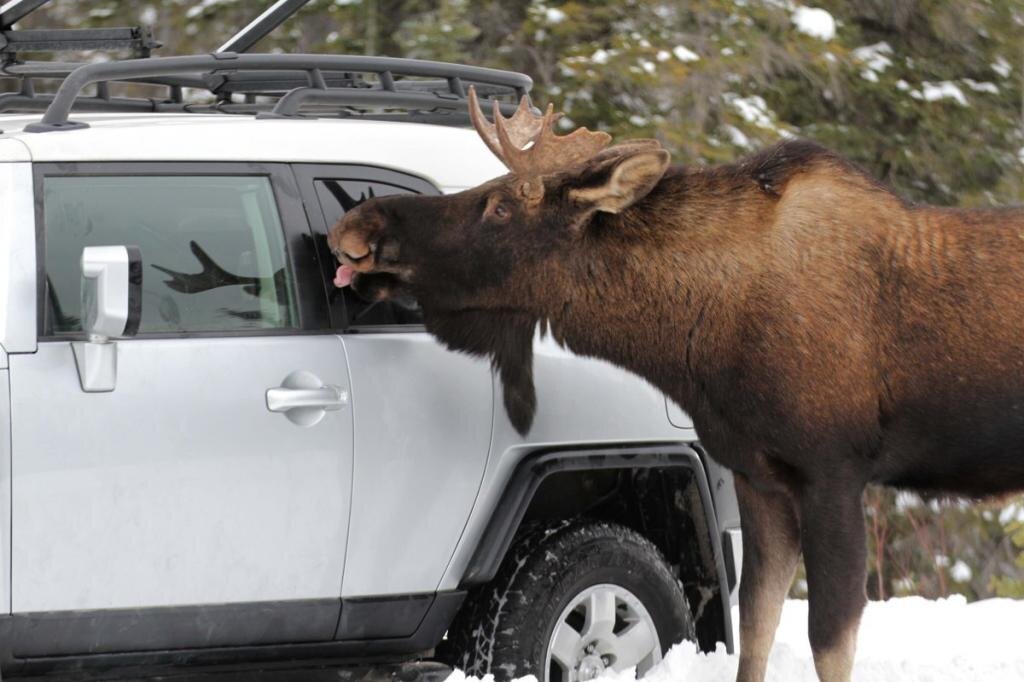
<point>901,640</point>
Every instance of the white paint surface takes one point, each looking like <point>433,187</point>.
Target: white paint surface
<point>455,156</point>
<point>178,487</point>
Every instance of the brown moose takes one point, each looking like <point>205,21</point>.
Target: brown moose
<point>822,332</point>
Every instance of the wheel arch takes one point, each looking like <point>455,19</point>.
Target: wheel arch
<point>660,490</point>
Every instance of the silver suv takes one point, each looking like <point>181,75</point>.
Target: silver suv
<point>216,456</point>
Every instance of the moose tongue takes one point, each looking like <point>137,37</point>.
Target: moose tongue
<point>344,276</point>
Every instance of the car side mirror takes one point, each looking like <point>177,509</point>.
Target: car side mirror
<point>111,309</point>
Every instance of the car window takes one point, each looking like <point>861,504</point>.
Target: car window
<point>213,252</point>
<point>337,196</point>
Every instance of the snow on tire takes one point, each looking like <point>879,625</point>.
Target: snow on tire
<point>570,600</point>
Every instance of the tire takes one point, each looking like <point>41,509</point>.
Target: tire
<point>565,576</point>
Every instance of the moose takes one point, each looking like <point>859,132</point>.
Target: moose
<point>822,332</point>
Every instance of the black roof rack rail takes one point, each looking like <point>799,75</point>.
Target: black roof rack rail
<point>18,101</point>
<point>59,70</point>
<point>139,40</point>
<point>325,81</point>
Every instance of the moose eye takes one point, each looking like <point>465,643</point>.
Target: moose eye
<point>498,209</point>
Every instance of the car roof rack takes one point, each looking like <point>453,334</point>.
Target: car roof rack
<point>138,40</point>
<point>264,85</point>
<point>301,85</point>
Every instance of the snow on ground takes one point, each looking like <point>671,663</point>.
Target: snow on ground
<point>754,109</point>
<point>933,92</point>
<point>815,22</point>
<point>685,54</point>
<point>875,59</point>
<point>901,640</point>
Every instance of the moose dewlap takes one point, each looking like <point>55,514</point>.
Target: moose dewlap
<point>821,332</point>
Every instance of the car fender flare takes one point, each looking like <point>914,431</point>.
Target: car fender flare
<point>531,471</point>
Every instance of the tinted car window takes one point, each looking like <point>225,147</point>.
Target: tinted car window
<point>337,196</point>
<point>212,247</point>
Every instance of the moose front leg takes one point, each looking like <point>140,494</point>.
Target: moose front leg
<point>771,551</point>
<point>835,554</point>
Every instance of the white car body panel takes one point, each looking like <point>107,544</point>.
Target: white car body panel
<point>13,150</point>
<point>17,258</point>
<point>423,430</point>
<point>178,487</point>
<point>5,494</point>
<point>195,137</point>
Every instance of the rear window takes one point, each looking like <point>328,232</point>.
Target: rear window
<point>338,196</point>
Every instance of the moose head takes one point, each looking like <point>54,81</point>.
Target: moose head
<point>487,264</point>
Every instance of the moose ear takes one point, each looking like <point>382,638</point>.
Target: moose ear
<point>621,176</point>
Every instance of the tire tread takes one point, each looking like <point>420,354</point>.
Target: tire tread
<point>497,631</point>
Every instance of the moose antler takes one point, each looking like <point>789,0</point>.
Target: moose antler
<point>213,276</point>
<point>527,144</point>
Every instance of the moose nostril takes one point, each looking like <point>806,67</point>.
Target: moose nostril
<point>355,248</point>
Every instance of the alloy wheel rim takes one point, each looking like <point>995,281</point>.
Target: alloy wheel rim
<point>604,627</point>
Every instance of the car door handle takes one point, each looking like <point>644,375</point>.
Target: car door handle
<point>284,399</point>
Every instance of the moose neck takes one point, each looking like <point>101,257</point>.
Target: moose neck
<point>643,285</point>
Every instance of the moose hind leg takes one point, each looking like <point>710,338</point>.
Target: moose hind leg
<point>771,551</point>
<point>835,554</point>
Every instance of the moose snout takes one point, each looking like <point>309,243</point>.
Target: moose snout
<point>353,239</point>
<point>355,250</point>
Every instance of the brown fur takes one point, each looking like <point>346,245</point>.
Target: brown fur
<point>821,332</point>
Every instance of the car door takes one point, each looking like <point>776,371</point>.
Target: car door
<point>177,510</point>
<point>422,415</point>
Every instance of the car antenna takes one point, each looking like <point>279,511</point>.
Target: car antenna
<point>262,25</point>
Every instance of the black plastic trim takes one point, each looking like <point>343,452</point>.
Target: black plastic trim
<point>252,633</point>
<point>184,627</point>
<point>382,617</point>
<point>534,468</point>
<point>386,329</point>
<point>292,102</point>
<point>131,328</point>
<point>729,556</point>
<point>16,101</point>
<point>303,256</point>
<point>139,40</point>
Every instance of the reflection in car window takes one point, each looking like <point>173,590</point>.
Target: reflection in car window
<point>336,197</point>
<point>212,249</point>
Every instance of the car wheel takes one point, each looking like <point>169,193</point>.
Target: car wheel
<point>570,601</point>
